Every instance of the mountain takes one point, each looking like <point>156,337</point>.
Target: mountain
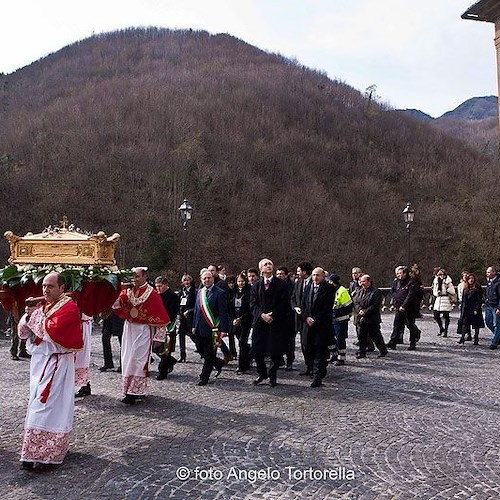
<point>474,122</point>
<point>416,113</point>
<point>278,160</point>
<point>476,108</point>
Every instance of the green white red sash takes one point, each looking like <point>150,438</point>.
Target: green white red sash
<point>167,344</point>
<point>212,321</point>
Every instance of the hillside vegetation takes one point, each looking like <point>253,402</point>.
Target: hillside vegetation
<point>278,160</point>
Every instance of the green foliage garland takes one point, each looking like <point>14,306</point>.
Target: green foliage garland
<point>13,274</point>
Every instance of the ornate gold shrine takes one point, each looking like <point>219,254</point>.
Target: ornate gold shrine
<point>62,245</point>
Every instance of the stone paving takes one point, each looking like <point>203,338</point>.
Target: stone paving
<point>419,424</point>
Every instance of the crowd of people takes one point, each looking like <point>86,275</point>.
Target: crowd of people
<point>253,317</point>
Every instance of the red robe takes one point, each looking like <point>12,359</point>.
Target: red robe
<point>63,324</point>
<point>141,305</point>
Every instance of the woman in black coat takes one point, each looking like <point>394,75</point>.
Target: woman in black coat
<point>242,321</point>
<point>471,315</point>
<point>187,297</point>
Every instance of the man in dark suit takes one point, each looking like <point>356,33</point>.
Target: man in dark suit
<point>304,270</point>
<point>405,302</point>
<point>317,304</point>
<point>171,303</point>
<point>368,307</point>
<point>282,274</point>
<point>210,323</point>
<point>269,302</point>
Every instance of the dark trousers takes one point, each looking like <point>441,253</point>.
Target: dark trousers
<point>402,319</point>
<point>262,371</point>
<point>209,355</point>
<point>106,347</point>
<point>242,335</point>
<point>437,319</point>
<point>320,361</point>
<point>370,331</point>
<point>232,343</point>
<point>290,347</point>
<point>225,350</point>
<point>17,344</point>
<point>307,352</point>
<point>185,329</point>
<point>341,330</point>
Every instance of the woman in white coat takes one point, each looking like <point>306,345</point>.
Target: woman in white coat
<point>445,295</point>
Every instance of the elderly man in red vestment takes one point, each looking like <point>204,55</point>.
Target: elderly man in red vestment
<point>53,332</point>
<point>144,313</point>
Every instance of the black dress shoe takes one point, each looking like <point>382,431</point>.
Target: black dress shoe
<point>14,357</point>
<point>218,367</point>
<point>412,347</point>
<point>129,399</point>
<point>83,391</point>
<point>173,362</point>
<point>105,368</point>
<point>27,465</point>
<point>259,380</point>
<point>202,382</point>
<point>24,354</point>
<point>305,372</point>
<point>316,383</point>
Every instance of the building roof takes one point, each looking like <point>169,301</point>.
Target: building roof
<point>484,10</point>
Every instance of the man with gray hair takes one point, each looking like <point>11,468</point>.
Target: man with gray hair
<point>368,306</point>
<point>269,304</point>
<point>316,309</point>
<point>210,324</point>
<point>404,298</point>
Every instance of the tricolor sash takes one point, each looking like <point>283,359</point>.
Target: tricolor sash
<point>212,321</point>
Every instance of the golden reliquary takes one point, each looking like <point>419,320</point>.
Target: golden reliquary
<point>62,245</point>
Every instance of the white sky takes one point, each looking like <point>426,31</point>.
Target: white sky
<point>419,53</point>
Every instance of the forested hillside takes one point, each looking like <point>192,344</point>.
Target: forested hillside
<point>277,160</point>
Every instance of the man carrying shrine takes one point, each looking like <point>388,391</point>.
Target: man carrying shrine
<point>142,309</point>
<point>54,333</point>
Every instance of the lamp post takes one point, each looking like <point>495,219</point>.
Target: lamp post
<point>186,212</point>
<point>408,216</point>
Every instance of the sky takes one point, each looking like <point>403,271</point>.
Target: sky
<point>418,53</point>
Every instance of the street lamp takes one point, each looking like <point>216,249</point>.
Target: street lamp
<point>408,216</point>
<point>186,212</point>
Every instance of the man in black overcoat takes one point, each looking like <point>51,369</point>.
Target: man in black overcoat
<point>269,303</point>
<point>317,304</point>
<point>368,307</point>
<point>304,270</point>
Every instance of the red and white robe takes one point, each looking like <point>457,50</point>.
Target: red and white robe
<point>53,334</point>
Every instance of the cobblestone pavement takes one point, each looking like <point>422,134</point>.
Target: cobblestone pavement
<point>419,424</point>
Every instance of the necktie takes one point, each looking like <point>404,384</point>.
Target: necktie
<point>266,284</point>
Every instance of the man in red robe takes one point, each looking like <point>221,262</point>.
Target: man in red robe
<point>142,309</point>
<point>54,333</point>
